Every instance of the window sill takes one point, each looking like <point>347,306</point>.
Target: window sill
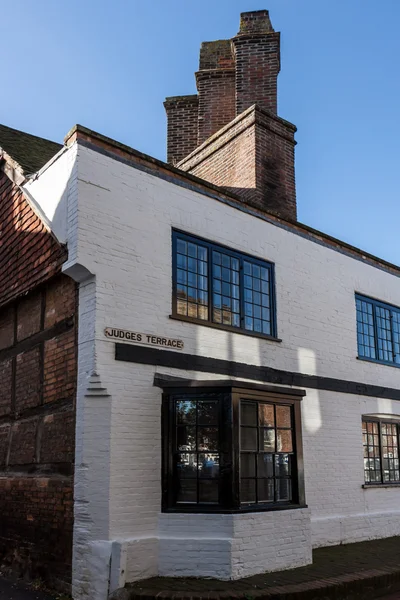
<point>225,511</point>
<point>263,336</point>
<point>374,486</point>
<point>378,362</point>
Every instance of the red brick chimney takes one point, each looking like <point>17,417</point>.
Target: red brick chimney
<point>241,144</point>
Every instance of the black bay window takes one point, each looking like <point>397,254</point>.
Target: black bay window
<point>217,286</point>
<point>229,448</point>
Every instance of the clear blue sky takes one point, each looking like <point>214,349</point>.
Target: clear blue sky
<point>109,66</point>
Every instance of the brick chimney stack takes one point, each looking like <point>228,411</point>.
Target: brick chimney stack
<point>257,60</point>
<point>229,133</point>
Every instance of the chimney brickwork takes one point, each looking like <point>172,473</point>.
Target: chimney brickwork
<point>216,87</point>
<point>182,114</point>
<point>257,60</point>
<point>241,144</point>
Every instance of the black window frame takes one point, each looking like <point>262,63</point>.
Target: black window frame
<point>394,335</point>
<point>241,257</point>
<point>229,397</point>
<point>380,422</point>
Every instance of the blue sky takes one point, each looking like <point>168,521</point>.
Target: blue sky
<point>109,66</point>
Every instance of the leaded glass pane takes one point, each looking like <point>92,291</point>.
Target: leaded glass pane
<point>257,298</point>
<point>266,449</point>
<point>365,329</point>
<point>196,456</point>
<point>225,282</point>
<point>384,334</point>
<point>192,280</point>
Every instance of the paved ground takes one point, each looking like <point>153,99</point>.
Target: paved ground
<point>11,590</point>
<point>363,570</point>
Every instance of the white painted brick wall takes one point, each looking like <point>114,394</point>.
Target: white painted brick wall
<point>119,230</point>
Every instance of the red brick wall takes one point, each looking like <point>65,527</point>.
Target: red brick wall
<point>29,254</point>
<point>37,395</point>
<point>37,431</point>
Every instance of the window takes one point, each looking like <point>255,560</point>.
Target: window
<point>217,286</point>
<point>378,331</point>
<point>381,451</point>
<point>266,452</point>
<point>230,449</point>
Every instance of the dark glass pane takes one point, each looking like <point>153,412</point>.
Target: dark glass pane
<point>192,250</point>
<point>283,416</point>
<point>226,302</point>
<point>266,327</point>
<point>182,276</point>
<point>192,265</point>
<point>181,246</point>
<point>187,491</point>
<point>283,490</point>
<point>217,271</point>
<point>248,438</point>
<point>186,437</point>
<point>282,465</point>
<point>266,415</point>
<point>217,258</point>
<point>226,317</point>
<point>208,491</point>
<point>207,413</point>
<point>226,261</point>
<point>186,411</point>
<point>202,312</point>
<point>236,320</point>
<point>207,438</point>
<point>265,490</point>
<point>265,465</point>
<point>248,465</point>
<point>267,440</point>
<point>249,323</point>
<point>217,301</point>
<point>192,294</point>
<point>208,465</point>
<point>181,307</point>
<point>248,413</point>
<point>284,440</point>
<point>257,325</point>
<point>181,261</point>
<point>202,253</point>
<point>182,291</point>
<point>192,310</point>
<point>186,466</point>
<point>247,490</point>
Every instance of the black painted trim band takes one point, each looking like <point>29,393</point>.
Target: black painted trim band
<point>191,362</point>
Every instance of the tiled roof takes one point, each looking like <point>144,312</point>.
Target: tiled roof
<point>29,151</point>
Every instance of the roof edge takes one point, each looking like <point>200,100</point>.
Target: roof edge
<point>158,167</point>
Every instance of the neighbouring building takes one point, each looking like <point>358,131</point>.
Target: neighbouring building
<point>217,381</point>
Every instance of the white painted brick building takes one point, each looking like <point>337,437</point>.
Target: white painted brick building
<point>116,210</point>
